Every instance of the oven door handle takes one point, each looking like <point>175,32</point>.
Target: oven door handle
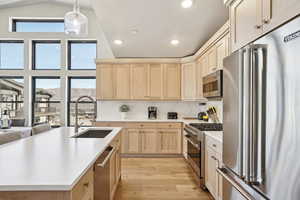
<point>189,140</point>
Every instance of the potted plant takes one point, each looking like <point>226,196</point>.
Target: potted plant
<point>124,109</point>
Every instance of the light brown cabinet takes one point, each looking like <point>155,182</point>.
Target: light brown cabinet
<point>148,141</point>
<point>105,82</point>
<point>249,19</point>
<point>212,59</point>
<point>172,82</point>
<point>122,81</point>
<point>169,141</point>
<point>139,81</point>
<point>149,138</point>
<point>155,81</point>
<point>189,81</point>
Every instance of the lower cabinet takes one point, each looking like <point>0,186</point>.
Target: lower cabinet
<point>169,141</point>
<point>107,172</point>
<point>149,138</point>
<point>213,160</point>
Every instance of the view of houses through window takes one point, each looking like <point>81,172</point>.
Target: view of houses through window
<point>47,90</point>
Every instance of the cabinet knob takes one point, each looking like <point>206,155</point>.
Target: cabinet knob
<point>258,26</point>
<point>266,21</point>
<point>214,145</point>
<point>86,184</point>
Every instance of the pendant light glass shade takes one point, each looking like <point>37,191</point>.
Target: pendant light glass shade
<point>76,23</point>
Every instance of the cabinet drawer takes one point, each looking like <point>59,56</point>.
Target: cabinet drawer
<point>213,144</point>
<point>169,125</point>
<point>141,125</point>
<point>84,189</point>
<point>109,124</point>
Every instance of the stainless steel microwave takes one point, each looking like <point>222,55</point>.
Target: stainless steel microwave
<point>213,85</point>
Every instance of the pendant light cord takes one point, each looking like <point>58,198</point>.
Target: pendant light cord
<point>76,5</point>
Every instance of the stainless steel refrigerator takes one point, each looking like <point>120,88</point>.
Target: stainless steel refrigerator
<point>261,152</point>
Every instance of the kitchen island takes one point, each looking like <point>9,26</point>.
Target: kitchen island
<point>52,165</point>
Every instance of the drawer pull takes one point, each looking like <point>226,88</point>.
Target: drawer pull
<point>107,158</point>
<point>214,145</point>
<point>86,184</point>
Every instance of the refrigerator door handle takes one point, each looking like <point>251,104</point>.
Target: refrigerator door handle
<point>235,184</point>
<point>257,121</point>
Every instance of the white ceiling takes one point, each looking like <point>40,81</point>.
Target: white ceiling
<point>157,22</point>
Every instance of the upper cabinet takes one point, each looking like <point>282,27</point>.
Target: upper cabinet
<point>189,81</point>
<point>138,80</point>
<point>249,19</point>
<point>155,81</point>
<point>122,81</point>
<point>105,82</point>
<point>172,82</point>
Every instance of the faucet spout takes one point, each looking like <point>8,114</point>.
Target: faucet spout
<point>76,110</point>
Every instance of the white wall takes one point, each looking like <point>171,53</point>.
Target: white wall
<point>109,110</point>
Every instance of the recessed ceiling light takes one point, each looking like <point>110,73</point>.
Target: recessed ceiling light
<point>187,3</point>
<point>175,42</point>
<point>118,42</point>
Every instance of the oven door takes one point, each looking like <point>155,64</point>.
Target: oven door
<point>194,155</point>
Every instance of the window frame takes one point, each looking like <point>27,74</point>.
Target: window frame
<point>69,52</point>
<point>33,52</point>
<point>17,42</point>
<point>69,101</point>
<point>15,20</point>
<point>33,90</point>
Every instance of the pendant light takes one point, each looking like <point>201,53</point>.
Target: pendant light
<point>76,23</point>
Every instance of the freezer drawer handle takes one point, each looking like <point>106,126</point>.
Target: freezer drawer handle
<point>235,184</point>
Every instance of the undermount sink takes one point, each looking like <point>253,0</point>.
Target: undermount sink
<point>93,133</point>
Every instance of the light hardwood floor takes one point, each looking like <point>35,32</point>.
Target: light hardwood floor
<point>159,179</point>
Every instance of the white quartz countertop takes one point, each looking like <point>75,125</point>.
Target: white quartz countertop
<point>152,120</point>
<point>217,135</point>
<point>51,161</point>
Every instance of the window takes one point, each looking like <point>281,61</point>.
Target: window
<point>11,54</point>
<point>11,96</point>
<point>46,55</point>
<point>46,100</point>
<point>38,25</point>
<point>82,54</point>
<point>79,86</point>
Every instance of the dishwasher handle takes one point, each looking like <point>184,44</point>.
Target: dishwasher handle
<point>112,150</point>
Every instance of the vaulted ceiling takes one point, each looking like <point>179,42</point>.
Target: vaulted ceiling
<point>146,27</point>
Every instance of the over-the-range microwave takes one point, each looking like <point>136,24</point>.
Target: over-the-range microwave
<point>213,85</point>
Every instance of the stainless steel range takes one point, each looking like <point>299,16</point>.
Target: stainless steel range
<point>194,134</point>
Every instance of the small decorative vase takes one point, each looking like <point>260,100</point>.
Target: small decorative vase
<point>123,115</point>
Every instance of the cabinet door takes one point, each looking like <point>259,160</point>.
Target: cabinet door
<point>212,59</point>
<point>199,72</point>
<point>118,164</point>
<point>105,82</point>
<point>204,64</point>
<point>221,49</point>
<point>276,12</point>
<point>112,173</point>
<point>149,140</point>
<point>210,172</point>
<point>122,81</point>
<point>155,83</point>
<point>172,82</point>
<point>169,141</point>
<point>189,82</point>
<point>139,81</point>
<point>133,141</point>
<point>245,22</point>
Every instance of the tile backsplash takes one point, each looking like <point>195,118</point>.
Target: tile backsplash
<point>109,110</point>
